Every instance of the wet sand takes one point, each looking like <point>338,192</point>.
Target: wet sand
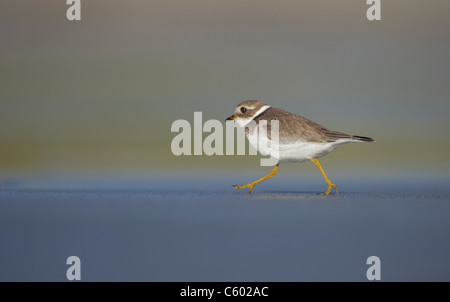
<point>188,233</point>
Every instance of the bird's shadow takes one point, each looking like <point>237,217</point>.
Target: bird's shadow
<point>288,192</point>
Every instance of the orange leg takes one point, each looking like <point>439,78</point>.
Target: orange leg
<point>329,183</point>
<point>252,184</point>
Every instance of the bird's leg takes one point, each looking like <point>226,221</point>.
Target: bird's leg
<point>252,184</point>
<point>329,183</point>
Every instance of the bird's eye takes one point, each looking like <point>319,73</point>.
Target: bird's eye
<point>243,109</point>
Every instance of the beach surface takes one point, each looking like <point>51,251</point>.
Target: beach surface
<point>204,230</point>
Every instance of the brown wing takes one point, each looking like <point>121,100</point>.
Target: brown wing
<point>296,127</point>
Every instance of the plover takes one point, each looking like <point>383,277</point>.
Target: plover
<point>300,139</point>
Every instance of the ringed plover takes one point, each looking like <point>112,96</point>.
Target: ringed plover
<point>299,139</point>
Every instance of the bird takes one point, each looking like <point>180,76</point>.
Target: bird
<point>299,139</point>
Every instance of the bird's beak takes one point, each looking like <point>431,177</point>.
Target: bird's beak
<point>231,118</point>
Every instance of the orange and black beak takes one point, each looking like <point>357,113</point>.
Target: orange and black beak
<point>231,118</point>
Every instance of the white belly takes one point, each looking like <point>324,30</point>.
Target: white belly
<point>295,152</point>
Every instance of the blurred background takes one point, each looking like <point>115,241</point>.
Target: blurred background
<point>98,96</point>
<point>86,109</point>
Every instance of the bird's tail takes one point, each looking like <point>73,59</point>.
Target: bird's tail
<point>362,138</point>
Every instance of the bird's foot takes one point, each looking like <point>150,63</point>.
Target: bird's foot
<point>330,184</point>
<point>250,185</point>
